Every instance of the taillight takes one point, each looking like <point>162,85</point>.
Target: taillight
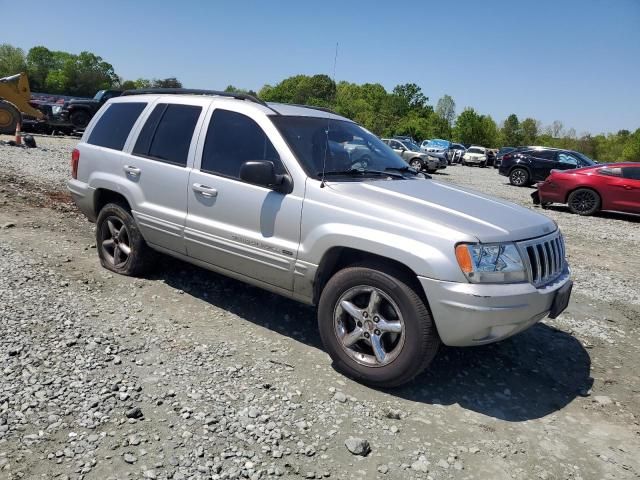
<point>75,159</point>
<point>507,156</point>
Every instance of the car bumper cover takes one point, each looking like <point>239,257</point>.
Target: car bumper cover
<point>474,314</point>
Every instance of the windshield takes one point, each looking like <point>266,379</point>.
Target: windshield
<point>585,159</point>
<point>438,143</point>
<point>98,95</point>
<point>411,146</point>
<point>343,145</point>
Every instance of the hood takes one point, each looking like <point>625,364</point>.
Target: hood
<point>473,154</point>
<point>427,203</point>
<point>84,101</point>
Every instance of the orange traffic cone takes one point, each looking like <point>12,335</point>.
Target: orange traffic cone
<point>18,134</point>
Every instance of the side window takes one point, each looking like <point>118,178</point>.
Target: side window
<point>566,158</point>
<point>611,172</point>
<point>632,173</point>
<point>395,145</point>
<point>114,125</point>
<point>166,136</point>
<point>544,154</point>
<point>232,139</point>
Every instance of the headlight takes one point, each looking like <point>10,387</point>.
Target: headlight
<point>56,109</point>
<point>491,263</point>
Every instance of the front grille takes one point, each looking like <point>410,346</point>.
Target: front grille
<point>545,258</point>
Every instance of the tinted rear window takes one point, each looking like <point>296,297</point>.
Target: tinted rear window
<point>632,173</point>
<point>544,154</point>
<point>167,134</point>
<point>114,125</point>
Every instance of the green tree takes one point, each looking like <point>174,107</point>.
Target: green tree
<point>171,82</point>
<point>511,131</point>
<point>469,128</point>
<point>317,90</point>
<point>446,109</point>
<point>12,60</point>
<point>412,95</point>
<point>40,61</point>
<point>529,129</point>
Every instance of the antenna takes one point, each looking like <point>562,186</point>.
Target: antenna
<point>326,145</point>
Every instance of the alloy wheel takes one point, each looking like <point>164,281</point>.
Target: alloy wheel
<point>583,201</point>
<point>369,326</point>
<point>115,241</point>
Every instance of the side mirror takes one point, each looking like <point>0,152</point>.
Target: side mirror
<point>262,172</point>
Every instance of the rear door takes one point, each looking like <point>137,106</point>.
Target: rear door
<point>157,168</point>
<point>242,228</point>
<point>542,162</point>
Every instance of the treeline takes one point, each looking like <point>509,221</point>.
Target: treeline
<point>406,111</point>
<point>403,111</point>
<point>66,73</point>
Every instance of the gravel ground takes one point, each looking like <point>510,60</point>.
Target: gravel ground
<point>187,374</point>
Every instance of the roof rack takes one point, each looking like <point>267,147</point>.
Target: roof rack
<point>192,91</point>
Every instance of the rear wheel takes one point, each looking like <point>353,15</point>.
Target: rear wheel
<point>120,245</point>
<point>519,177</point>
<point>10,116</point>
<point>584,201</point>
<point>376,327</point>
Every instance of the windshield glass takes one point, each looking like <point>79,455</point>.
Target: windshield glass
<point>585,159</point>
<point>342,144</point>
<point>438,143</point>
<point>475,150</point>
<point>98,95</point>
<point>411,146</point>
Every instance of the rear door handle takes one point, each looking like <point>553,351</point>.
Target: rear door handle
<point>204,190</point>
<point>131,170</point>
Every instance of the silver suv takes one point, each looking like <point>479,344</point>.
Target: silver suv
<point>310,205</point>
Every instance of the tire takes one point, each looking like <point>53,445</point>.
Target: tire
<point>417,164</point>
<point>519,177</point>
<point>483,164</point>
<point>111,238</point>
<point>432,171</point>
<point>584,201</point>
<point>10,116</point>
<point>408,347</point>
<point>80,119</point>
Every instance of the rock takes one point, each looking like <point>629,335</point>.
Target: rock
<point>443,464</point>
<point>358,446</point>
<point>135,412</point>
<point>421,465</point>
<point>8,225</point>
<point>134,440</point>
<point>602,400</point>
<point>130,458</point>
<point>150,474</point>
<point>340,397</point>
<point>253,412</point>
<point>383,469</point>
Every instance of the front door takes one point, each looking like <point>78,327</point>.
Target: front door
<point>243,228</point>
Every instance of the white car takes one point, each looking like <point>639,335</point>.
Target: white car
<point>475,156</point>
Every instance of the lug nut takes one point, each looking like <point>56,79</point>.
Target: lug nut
<point>365,314</point>
<point>376,319</point>
<point>366,334</point>
<point>377,332</point>
<point>359,324</point>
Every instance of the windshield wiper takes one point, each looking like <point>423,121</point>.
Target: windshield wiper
<point>360,171</point>
<point>408,169</point>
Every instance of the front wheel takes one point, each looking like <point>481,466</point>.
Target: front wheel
<point>120,245</point>
<point>10,117</point>
<point>80,119</point>
<point>584,201</point>
<point>417,164</point>
<point>376,327</point>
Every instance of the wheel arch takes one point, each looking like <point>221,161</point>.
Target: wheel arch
<point>583,187</point>
<point>339,258</point>
<point>103,196</point>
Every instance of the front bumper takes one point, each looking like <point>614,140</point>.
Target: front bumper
<point>83,196</point>
<point>476,160</point>
<point>475,314</point>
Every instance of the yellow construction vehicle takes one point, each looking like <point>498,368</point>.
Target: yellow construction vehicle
<point>15,95</point>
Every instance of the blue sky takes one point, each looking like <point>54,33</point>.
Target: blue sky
<point>577,61</point>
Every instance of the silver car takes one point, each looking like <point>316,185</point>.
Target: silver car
<point>414,157</point>
<point>276,195</point>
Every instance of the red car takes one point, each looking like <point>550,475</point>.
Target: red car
<point>614,186</point>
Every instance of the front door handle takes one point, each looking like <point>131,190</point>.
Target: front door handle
<point>131,170</point>
<point>204,190</point>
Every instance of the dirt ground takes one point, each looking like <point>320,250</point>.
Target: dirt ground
<point>232,381</point>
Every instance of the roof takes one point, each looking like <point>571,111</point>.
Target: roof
<point>304,111</point>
